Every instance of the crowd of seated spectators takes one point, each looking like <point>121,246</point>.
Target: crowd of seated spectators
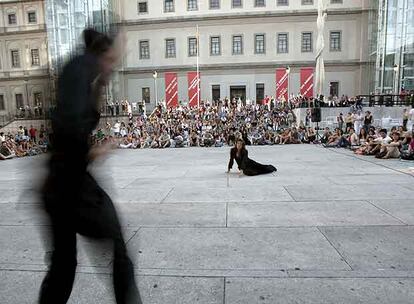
<point>26,142</point>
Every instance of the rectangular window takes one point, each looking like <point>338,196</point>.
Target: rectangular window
<point>142,7</point>
<point>192,5</point>
<point>259,3</point>
<point>237,3</point>
<point>12,19</point>
<point>307,42</point>
<point>38,98</point>
<point>19,101</point>
<point>336,1</point>
<point>214,4</point>
<point>144,49</point>
<point>192,47</point>
<point>15,59</point>
<point>260,47</point>
<point>282,43</point>
<point>170,48</point>
<point>335,41</point>
<point>2,104</point>
<point>334,88</point>
<point>215,92</point>
<point>169,6</point>
<point>215,47</point>
<point>259,92</point>
<point>31,16</point>
<point>35,57</point>
<point>146,95</point>
<point>282,2</point>
<point>307,2</point>
<point>237,45</point>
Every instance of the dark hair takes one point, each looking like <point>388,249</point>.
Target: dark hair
<point>96,42</point>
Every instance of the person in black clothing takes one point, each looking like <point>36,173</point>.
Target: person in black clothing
<point>368,120</point>
<point>246,165</point>
<point>72,198</point>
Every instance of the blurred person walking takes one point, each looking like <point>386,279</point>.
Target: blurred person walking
<point>72,198</point>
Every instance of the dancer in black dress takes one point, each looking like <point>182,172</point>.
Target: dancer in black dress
<point>246,165</point>
<point>72,198</point>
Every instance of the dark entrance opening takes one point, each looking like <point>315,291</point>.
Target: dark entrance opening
<point>215,92</point>
<point>238,92</point>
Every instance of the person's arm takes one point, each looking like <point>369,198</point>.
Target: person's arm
<point>231,162</point>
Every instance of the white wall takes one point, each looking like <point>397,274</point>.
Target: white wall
<point>156,8</point>
<point>350,27</point>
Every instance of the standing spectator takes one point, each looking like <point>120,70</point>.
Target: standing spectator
<point>348,122</point>
<point>358,118</point>
<point>117,108</point>
<point>405,115</point>
<point>368,120</point>
<point>340,121</point>
<point>32,133</point>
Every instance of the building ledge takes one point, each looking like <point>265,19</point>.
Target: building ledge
<point>238,66</point>
<point>242,15</point>
<point>24,29</point>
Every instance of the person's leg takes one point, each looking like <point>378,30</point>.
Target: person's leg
<point>57,285</point>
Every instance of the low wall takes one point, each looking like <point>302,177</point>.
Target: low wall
<point>379,113</point>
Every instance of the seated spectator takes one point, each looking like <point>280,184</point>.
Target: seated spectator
<point>392,149</point>
<point>208,139</point>
<point>5,151</point>
<point>194,139</point>
<point>374,146</point>
<point>164,140</point>
<point>409,153</point>
<point>326,135</point>
<point>363,136</point>
<point>353,139</point>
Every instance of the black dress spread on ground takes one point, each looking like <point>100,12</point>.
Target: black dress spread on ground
<point>249,166</point>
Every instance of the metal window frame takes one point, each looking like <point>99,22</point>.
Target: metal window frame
<point>287,42</point>
<point>238,6</point>
<point>311,42</point>
<point>256,5</point>
<point>188,43</point>
<point>241,44</point>
<point>192,10</point>
<point>264,43</point>
<point>142,94</point>
<point>38,56</point>
<point>15,18</point>
<point>211,45</point>
<point>337,2</point>
<point>255,88</point>
<point>15,99</point>
<point>140,49</point>
<point>11,54</point>
<point>307,2</point>
<point>166,48</point>
<point>214,8</point>
<point>2,103</point>
<point>278,3</point>
<point>138,3</point>
<point>28,18</point>
<point>340,41</point>
<point>165,6</point>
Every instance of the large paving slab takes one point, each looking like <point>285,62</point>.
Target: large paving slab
<point>350,192</point>
<point>374,247</point>
<point>335,213</point>
<point>236,248</point>
<point>402,209</point>
<point>22,287</point>
<point>319,291</point>
<point>26,245</point>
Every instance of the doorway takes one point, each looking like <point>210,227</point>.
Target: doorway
<point>238,92</point>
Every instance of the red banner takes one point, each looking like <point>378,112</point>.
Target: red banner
<point>306,82</point>
<point>193,88</point>
<point>171,90</point>
<point>282,84</point>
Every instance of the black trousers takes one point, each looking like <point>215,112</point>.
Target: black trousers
<point>94,217</point>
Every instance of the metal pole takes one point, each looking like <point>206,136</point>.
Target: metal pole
<point>156,91</point>
<point>198,68</point>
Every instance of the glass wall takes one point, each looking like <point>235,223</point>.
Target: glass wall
<point>65,20</point>
<point>395,46</point>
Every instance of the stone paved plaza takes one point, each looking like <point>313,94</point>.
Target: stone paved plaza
<point>328,227</point>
